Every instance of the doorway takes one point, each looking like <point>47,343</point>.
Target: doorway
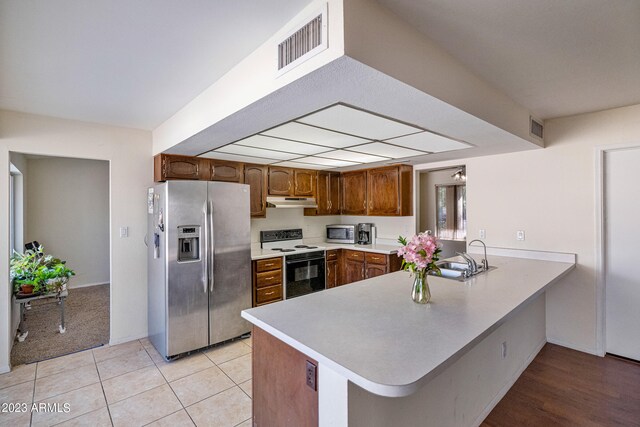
<point>621,231</point>
<point>442,207</point>
<point>63,204</point>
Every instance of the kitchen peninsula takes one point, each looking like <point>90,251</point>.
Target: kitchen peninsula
<point>383,360</point>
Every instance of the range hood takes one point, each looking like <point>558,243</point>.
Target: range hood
<point>291,202</point>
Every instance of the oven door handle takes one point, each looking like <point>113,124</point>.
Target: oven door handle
<point>304,260</point>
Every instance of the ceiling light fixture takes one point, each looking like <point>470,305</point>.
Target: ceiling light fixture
<point>459,175</point>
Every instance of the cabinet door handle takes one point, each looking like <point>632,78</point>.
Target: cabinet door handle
<point>268,264</point>
<point>370,204</point>
<point>364,205</point>
<point>270,278</point>
<point>269,293</point>
<point>289,189</point>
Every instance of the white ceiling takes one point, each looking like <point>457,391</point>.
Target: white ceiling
<point>127,63</point>
<point>554,57</point>
<point>136,63</point>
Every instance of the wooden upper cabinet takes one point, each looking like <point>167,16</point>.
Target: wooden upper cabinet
<point>327,194</point>
<point>304,183</point>
<point>221,170</point>
<point>170,166</point>
<point>256,177</point>
<point>390,191</point>
<point>280,181</point>
<point>354,192</point>
<point>334,193</point>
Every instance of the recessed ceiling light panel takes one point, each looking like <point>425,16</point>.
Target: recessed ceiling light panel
<point>427,141</point>
<point>325,162</point>
<point>357,122</point>
<point>243,150</point>
<point>386,150</point>
<point>237,158</point>
<point>290,164</point>
<point>269,143</point>
<point>303,133</point>
<point>351,156</point>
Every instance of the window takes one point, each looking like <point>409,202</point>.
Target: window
<point>451,212</point>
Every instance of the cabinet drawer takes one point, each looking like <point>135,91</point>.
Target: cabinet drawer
<point>268,294</point>
<point>354,255</point>
<point>268,264</point>
<point>268,278</point>
<point>332,255</point>
<point>373,258</point>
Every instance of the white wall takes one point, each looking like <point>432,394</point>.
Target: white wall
<point>131,172</point>
<point>69,214</point>
<point>550,194</point>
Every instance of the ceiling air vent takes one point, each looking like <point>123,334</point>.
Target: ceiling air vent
<point>303,42</point>
<point>536,128</point>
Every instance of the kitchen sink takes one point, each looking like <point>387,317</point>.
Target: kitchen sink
<point>457,270</point>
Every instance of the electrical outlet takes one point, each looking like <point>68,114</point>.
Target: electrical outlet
<point>520,235</point>
<point>311,375</point>
<point>482,234</point>
<point>503,350</point>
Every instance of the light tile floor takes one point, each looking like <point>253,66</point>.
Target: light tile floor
<point>131,385</point>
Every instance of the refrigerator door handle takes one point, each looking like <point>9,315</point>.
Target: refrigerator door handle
<point>212,248</point>
<point>205,260</point>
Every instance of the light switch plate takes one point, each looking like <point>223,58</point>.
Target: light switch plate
<point>124,231</point>
<point>482,234</point>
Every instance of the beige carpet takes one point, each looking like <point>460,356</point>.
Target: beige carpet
<point>86,320</point>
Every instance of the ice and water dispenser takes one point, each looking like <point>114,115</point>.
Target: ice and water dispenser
<point>188,243</point>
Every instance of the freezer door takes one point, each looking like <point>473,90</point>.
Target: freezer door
<point>230,283</point>
<point>156,269</point>
<point>187,321</point>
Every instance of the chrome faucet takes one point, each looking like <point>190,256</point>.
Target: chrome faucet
<point>471,263</point>
<point>485,263</point>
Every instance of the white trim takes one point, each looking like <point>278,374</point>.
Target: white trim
<point>601,296</point>
<point>511,381</point>
<point>524,253</point>
<point>86,285</point>
<point>127,339</point>
<point>565,344</point>
<point>600,243</point>
<point>4,369</point>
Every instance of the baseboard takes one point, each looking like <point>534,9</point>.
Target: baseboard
<point>574,347</point>
<point>127,339</point>
<point>86,285</point>
<point>4,369</point>
<point>503,391</point>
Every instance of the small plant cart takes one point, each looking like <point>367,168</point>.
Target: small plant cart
<point>25,305</point>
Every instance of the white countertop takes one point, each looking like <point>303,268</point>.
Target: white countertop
<point>373,334</point>
<point>380,249</point>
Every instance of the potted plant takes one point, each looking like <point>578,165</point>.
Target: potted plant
<point>34,271</point>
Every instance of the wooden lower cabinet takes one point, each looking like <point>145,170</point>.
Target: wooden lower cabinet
<point>267,281</point>
<point>333,269</point>
<point>281,396</point>
<point>360,265</point>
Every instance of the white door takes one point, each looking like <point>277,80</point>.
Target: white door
<point>622,252</point>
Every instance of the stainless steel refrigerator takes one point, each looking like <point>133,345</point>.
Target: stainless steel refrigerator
<point>199,264</point>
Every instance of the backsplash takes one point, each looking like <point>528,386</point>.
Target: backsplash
<point>313,227</point>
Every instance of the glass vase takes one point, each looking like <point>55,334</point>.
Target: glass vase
<point>420,291</point>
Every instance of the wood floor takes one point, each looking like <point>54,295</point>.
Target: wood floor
<point>563,387</point>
